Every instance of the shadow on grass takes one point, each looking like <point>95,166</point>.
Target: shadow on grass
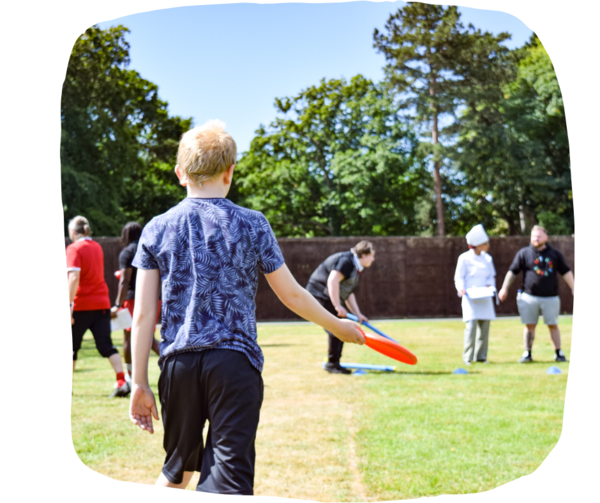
<point>534,363</point>
<point>277,345</point>
<point>415,373</point>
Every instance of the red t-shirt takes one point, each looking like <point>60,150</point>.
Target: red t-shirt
<point>87,257</point>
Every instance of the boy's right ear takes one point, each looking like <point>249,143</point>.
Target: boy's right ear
<point>180,176</point>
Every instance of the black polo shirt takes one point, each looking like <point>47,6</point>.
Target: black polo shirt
<point>342,262</point>
<point>540,270</point>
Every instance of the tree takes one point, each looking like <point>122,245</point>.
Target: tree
<point>513,148</point>
<point>337,161</point>
<point>118,142</point>
<point>429,57</point>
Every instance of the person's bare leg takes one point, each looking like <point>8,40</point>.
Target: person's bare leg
<point>555,336</point>
<point>127,346</point>
<point>74,365</point>
<point>163,481</point>
<point>528,337</point>
<point>115,361</point>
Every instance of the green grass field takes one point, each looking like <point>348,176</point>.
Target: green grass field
<point>421,431</point>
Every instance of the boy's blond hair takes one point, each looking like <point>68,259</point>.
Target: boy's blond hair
<point>206,151</point>
<point>539,228</point>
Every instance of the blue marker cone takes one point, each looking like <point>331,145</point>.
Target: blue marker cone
<point>359,372</point>
<point>460,371</point>
<point>553,370</point>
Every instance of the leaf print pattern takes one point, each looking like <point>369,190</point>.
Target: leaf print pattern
<point>209,253</point>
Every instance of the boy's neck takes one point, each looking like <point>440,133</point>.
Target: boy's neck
<point>209,189</point>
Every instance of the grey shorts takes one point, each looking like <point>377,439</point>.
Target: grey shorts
<point>531,307</point>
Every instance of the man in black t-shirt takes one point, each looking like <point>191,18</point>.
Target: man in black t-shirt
<point>332,284</point>
<point>540,265</point>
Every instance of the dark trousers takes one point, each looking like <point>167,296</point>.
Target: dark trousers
<point>222,387</point>
<point>335,345</point>
<point>98,322</point>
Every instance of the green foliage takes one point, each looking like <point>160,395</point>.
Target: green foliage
<point>513,148</point>
<point>118,143</point>
<point>337,161</point>
<point>436,65</point>
<point>343,158</point>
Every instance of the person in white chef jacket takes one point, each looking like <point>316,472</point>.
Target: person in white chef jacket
<point>475,281</point>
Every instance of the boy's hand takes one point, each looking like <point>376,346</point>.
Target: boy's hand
<point>349,331</point>
<point>361,318</point>
<point>142,407</point>
<point>341,312</point>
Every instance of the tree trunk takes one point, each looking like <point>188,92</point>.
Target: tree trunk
<point>437,178</point>
<point>512,227</point>
<point>439,207</point>
<point>522,219</point>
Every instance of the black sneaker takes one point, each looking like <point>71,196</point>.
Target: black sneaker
<point>336,368</point>
<point>122,391</point>
<point>560,357</point>
<point>526,358</point>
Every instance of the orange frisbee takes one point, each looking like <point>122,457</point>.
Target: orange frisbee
<point>389,348</point>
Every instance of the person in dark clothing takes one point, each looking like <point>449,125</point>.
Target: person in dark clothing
<point>332,284</point>
<point>130,235</point>
<point>539,291</point>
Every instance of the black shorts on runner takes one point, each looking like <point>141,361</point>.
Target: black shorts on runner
<point>98,322</point>
<point>222,387</point>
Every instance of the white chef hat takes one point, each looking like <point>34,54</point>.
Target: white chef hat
<point>477,236</point>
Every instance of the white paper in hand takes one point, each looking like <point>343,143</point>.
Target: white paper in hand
<point>480,292</point>
<point>122,321</point>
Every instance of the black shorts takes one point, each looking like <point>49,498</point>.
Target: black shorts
<point>222,387</point>
<point>98,322</point>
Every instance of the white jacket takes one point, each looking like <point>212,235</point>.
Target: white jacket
<point>475,271</point>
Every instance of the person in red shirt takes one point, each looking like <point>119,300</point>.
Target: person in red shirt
<point>88,294</point>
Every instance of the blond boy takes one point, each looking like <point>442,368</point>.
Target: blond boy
<point>208,252</point>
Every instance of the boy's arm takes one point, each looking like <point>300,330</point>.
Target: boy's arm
<point>353,305</point>
<point>304,304</point>
<point>333,287</point>
<point>143,406</point>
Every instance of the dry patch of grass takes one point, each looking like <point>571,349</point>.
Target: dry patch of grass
<point>420,431</point>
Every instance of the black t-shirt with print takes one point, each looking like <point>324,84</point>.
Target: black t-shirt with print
<point>539,270</point>
<point>125,260</point>
<point>342,262</point>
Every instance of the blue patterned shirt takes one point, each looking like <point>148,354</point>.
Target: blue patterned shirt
<point>209,253</point>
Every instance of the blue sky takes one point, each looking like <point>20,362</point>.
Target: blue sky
<point>229,62</point>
